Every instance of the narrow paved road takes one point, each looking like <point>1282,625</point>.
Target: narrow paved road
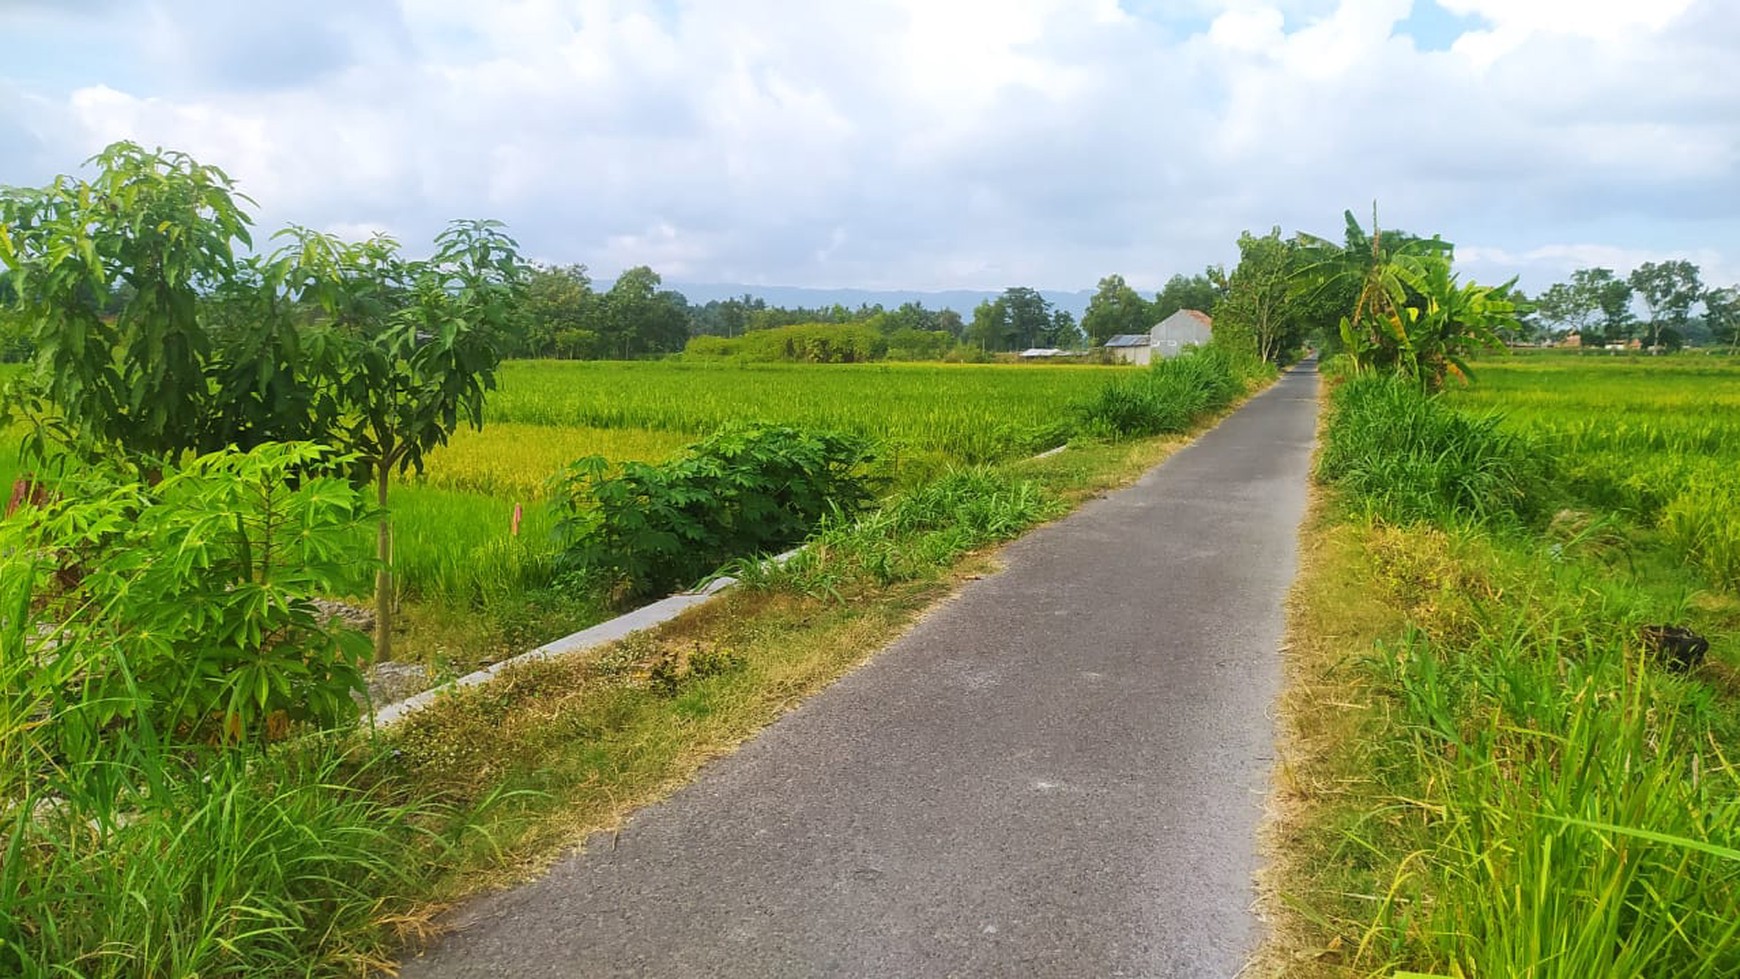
<point>1060,773</point>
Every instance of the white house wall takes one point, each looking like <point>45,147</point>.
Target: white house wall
<point>1171,335</point>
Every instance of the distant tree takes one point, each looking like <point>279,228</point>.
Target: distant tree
<point>1612,298</point>
<point>1116,309</point>
<point>1722,315</point>
<point>1528,328</point>
<point>556,315</point>
<point>1064,333</point>
<point>1566,308</point>
<point>1668,290</point>
<point>950,322</point>
<point>1197,292</point>
<point>910,316</point>
<point>989,330</point>
<point>637,317</point>
<point>1030,322</point>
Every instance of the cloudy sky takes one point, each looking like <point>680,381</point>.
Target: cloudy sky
<point>920,143</point>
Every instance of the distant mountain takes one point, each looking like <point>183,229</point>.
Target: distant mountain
<point>960,300</point>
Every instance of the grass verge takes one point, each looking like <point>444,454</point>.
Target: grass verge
<point>1485,771</point>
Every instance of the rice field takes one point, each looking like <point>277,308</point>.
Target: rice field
<point>1657,438</point>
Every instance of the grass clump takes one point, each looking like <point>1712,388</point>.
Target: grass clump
<point>914,535</point>
<point>1170,396</point>
<point>301,860</point>
<point>1408,456</point>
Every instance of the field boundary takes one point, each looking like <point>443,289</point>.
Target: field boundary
<point>621,627</point>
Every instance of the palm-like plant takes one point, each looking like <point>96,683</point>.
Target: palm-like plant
<point>1409,313</point>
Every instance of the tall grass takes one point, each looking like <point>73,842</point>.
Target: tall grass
<point>912,535</point>
<point>1406,455</point>
<point>1565,809</point>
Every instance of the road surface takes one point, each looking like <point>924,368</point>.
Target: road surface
<point>1059,773</point>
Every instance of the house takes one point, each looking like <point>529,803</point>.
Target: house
<point>1572,339</point>
<point>1187,327</point>
<point>1168,338</point>
<point>1037,353</point>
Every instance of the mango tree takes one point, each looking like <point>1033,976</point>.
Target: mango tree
<point>412,350</point>
<point>164,229</point>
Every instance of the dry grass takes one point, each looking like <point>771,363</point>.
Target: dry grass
<point>1332,613</point>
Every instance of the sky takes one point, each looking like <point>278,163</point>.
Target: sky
<point>920,144</point>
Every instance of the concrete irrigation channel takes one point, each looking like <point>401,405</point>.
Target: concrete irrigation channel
<point>1058,773</point>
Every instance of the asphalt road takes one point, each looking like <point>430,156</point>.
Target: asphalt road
<point>1059,773</point>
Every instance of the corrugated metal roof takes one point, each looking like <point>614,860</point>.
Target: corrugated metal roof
<point>1129,340</point>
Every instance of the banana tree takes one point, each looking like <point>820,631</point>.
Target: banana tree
<point>1450,318</point>
<point>1409,312</point>
<point>1373,271</point>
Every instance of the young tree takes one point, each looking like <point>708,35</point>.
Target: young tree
<point>1669,290</point>
<point>324,341</point>
<point>1257,304</point>
<point>415,351</point>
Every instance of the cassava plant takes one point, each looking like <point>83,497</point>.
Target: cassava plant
<point>185,603</point>
<point>746,490</point>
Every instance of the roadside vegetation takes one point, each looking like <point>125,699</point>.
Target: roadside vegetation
<point>1511,719</point>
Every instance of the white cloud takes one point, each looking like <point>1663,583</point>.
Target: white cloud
<point>923,143</point>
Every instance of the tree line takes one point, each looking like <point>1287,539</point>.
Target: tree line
<point>1678,308</point>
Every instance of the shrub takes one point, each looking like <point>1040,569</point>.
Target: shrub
<point>1406,455</point>
<point>746,490</point>
<point>711,346</point>
<point>815,343</point>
